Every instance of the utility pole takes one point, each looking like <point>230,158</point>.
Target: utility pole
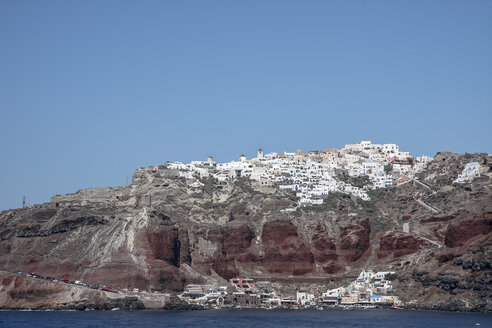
<point>23,201</point>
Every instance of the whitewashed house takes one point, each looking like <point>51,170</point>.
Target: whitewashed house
<point>470,171</point>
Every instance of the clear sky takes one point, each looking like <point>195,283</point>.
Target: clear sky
<point>92,90</point>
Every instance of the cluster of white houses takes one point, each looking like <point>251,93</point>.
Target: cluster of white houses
<point>370,289</point>
<point>470,171</point>
<point>313,174</point>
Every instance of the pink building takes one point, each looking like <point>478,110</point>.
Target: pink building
<point>243,284</point>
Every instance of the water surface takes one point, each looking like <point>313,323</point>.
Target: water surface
<point>372,318</point>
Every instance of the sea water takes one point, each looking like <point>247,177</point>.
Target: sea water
<point>371,318</point>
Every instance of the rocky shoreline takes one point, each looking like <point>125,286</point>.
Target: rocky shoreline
<point>187,307</point>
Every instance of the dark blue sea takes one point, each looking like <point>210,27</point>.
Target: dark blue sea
<point>372,318</point>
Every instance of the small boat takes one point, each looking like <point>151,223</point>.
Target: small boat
<point>396,308</point>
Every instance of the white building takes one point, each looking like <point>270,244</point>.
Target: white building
<point>337,292</point>
<point>260,155</point>
<point>304,298</point>
<point>390,149</point>
<point>370,167</point>
<point>421,163</point>
<point>470,171</point>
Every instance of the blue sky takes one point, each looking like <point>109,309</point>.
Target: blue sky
<point>92,90</point>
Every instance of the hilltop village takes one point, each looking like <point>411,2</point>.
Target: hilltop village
<point>314,174</point>
<point>353,170</point>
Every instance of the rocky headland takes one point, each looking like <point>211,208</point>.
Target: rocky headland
<point>160,233</point>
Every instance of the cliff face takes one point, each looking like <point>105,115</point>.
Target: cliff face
<point>159,233</point>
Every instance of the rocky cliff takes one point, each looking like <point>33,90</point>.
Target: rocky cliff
<point>160,233</point>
